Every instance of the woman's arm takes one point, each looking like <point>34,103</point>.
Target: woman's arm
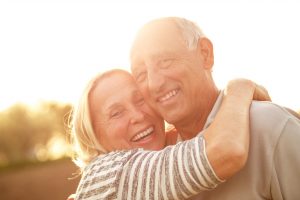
<point>182,170</point>
<point>227,138</point>
<point>176,172</point>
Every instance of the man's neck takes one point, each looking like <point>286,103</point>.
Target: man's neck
<point>190,129</point>
<point>193,125</point>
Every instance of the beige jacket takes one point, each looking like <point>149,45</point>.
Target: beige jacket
<point>273,167</point>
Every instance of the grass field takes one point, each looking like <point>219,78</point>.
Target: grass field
<point>50,181</point>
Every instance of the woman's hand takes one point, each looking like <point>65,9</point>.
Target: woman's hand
<point>249,87</point>
<point>227,138</point>
<point>261,93</point>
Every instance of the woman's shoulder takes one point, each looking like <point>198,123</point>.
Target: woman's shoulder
<point>103,173</point>
<point>110,159</point>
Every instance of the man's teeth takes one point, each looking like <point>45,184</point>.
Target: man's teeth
<point>168,95</point>
<point>142,134</point>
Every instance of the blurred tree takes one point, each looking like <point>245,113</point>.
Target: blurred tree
<point>23,129</point>
<point>33,133</point>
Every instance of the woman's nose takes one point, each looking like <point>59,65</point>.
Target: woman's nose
<point>137,115</point>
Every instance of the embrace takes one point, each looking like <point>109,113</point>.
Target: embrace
<point>223,144</point>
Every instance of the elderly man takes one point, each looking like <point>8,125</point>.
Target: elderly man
<point>171,61</point>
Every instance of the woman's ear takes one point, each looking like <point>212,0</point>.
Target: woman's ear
<point>206,51</point>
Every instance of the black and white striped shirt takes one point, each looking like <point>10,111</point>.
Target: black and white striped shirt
<point>176,172</point>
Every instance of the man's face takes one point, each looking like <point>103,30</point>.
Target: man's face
<point>173,79</point>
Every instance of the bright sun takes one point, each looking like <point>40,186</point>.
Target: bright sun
<point>50,56</point>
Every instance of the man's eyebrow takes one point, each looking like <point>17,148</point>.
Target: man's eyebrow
<point>136,69</point>
<point>164,55</point>
<point>138,62</point>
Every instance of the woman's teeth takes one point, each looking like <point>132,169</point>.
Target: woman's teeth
<point>142,134</point>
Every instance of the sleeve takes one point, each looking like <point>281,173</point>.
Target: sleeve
<point>176,172</point>
<point>286,174</point>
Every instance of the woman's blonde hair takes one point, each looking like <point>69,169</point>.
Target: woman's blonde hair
<point>86,144</point>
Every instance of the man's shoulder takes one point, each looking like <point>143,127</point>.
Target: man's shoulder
<point>266,109</point>
<point>268,116</point>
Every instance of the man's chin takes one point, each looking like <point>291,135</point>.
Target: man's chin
<point>171,118</point>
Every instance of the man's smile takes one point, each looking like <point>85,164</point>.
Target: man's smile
<point>168,96</point>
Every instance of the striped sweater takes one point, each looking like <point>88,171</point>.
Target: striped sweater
<point>176,172</point>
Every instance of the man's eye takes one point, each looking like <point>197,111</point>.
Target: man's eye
<point>141,76</point>
<point>140,101</point>
<point>165,63</point>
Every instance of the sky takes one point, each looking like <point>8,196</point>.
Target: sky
<point>49,50</point>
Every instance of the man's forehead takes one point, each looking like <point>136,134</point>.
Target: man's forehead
<point>156,40</point>
<point>156,45</point>
<point>157,30</point>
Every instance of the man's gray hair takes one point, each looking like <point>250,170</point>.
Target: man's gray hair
<point>190,31</point>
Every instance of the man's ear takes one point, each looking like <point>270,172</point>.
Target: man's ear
<point>206,51</point>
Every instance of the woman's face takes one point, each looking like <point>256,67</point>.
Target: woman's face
<point>121,118</point>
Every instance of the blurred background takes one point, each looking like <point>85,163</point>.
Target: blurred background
<point>49,49</point>
<point>35,152</point>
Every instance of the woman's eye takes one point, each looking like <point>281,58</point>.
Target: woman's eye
<point>116,114</point>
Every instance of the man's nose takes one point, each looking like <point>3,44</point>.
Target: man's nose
<point>137,115</point>
<point>155,80</point>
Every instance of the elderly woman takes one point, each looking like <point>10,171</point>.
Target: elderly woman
<point>121,143</point>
